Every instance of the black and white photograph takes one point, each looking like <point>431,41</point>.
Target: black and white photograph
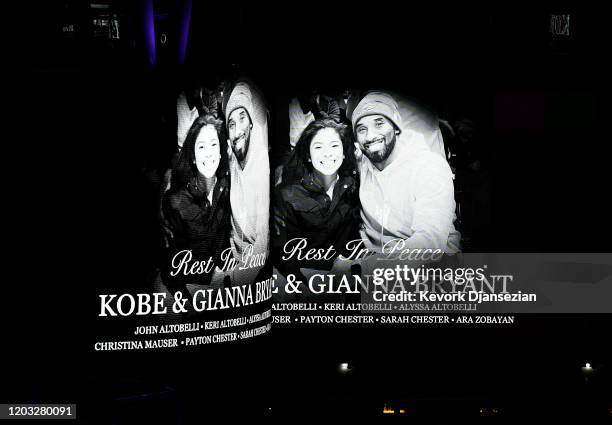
<point>213,219</point>
<point>372,175</point>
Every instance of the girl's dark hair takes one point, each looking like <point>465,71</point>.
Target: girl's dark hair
<point>185,169</point>
<point>300,164</point>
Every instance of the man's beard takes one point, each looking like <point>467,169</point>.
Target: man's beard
<point>382,154</point>
<point>241,153</point>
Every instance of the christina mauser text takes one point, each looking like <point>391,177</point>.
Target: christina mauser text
<point>135,345</point>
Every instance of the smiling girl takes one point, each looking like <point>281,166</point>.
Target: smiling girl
<point>318,199</point>
<point>197,205</point>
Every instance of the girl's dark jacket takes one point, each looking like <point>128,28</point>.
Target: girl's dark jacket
<point>303,210</point>
<point>198,225</point>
